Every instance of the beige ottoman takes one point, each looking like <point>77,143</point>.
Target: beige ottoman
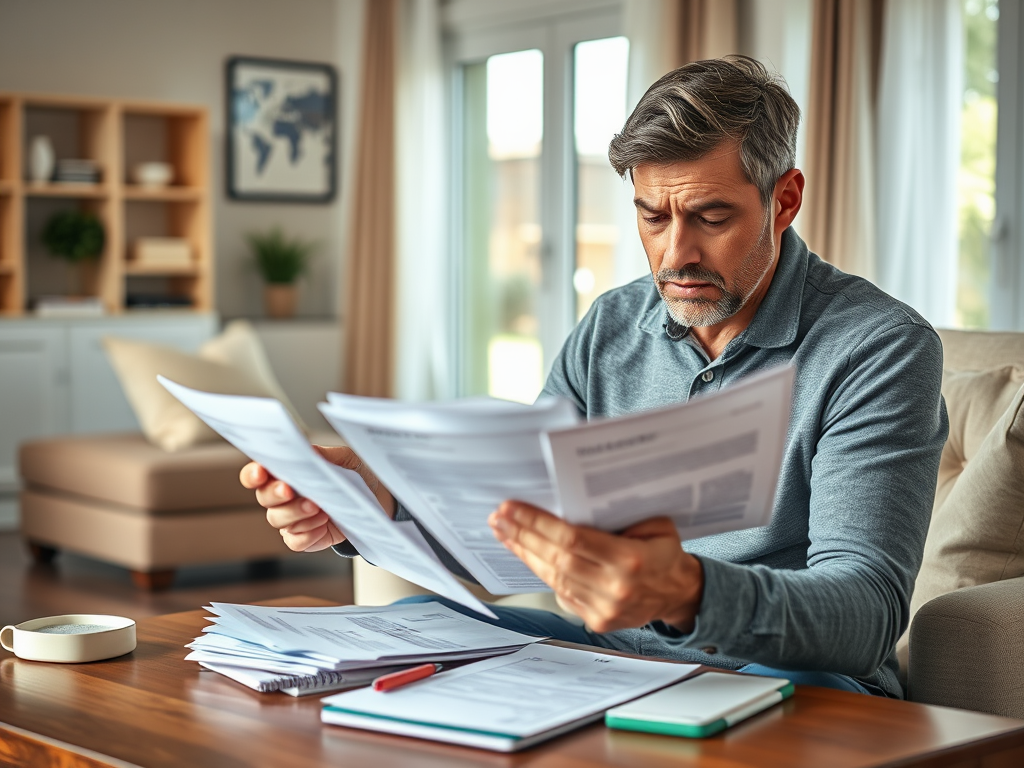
<point>119,499</point>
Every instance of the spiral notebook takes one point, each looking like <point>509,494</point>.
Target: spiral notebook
<point>301,685</point>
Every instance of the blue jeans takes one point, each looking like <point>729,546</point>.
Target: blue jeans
<point>531,621</point>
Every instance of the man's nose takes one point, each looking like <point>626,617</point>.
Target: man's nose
<point>682,248</point>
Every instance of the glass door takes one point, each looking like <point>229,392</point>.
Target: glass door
<point>535,107</point>
<point>503,134</point>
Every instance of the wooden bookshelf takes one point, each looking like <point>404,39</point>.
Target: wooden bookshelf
<point>74,191</point>
<point>116,134</point>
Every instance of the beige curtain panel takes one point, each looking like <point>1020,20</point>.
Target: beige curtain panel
<point>369,287</point>
<point>837,219</point>
<point>708,29</point>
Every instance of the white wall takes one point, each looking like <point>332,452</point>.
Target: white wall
<point>175,50</point>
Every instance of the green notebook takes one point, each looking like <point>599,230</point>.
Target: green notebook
<point>701,706</point>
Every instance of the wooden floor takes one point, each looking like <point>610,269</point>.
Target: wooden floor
<point>74,584</point>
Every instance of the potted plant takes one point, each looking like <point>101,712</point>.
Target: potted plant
<point>77,237</point>
<point>281,260</point>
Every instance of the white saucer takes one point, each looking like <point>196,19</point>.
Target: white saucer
<point>70,639</point>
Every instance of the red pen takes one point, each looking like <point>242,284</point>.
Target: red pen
<point>398,679</point>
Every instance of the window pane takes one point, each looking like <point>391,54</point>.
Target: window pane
<point>503,134</point>
<point>598,114</point>
<point>977,183</point>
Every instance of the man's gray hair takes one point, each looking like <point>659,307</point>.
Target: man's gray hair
<point>697,107</point>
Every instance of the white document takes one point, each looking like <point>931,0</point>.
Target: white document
<point>711,465</point>
<point>506,703</point>
<point>452,464</point>
<point>263,430</point>
<point>353,634</point>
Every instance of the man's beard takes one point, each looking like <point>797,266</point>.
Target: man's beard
<point>701,312</point>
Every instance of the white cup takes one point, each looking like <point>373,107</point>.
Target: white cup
<point>71,638</point>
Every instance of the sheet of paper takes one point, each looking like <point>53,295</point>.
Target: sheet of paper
<point>355,633</point>
<point>533,690</point>
<point>263,430</point>
<point>711,464</point>
<point>452,464</point>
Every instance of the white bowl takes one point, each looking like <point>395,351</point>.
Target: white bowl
<point>153,174</point>
<point>70,639</point>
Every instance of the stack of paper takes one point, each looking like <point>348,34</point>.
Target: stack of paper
<point>509,703</point>
<point>311,650</point>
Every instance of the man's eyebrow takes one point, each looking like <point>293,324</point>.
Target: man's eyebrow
<point>710,205</point>
<point>699,207</point>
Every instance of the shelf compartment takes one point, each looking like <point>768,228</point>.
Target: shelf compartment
<point>77,128</point>
<point>176,136</point>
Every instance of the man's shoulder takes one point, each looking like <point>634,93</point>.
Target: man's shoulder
<point>854,303</point>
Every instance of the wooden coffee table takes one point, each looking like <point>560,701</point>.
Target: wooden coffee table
<point>151,708</point>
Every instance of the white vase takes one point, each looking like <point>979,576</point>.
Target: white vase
<point>42,160</point>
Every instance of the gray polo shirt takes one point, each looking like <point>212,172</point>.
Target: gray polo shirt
<point>826,586</point>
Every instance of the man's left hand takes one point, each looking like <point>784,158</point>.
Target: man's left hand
<point>611,581</point>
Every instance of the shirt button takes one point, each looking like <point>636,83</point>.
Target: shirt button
<point>710,650</point>
<point>708,375</point>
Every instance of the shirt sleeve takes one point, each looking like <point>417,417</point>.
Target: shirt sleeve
<point>872,481</point>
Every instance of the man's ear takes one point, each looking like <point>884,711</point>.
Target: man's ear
<point>787,198</point>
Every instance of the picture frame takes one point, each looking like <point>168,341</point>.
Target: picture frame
<point>282,130</point>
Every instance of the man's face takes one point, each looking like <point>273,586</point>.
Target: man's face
<point>708,238</point>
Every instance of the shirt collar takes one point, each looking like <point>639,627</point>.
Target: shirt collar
<point>777,320</point>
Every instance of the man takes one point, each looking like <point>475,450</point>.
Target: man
<point>821,594</point>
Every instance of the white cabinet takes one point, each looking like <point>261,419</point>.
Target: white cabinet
<point>33,389</point>
<point>55,378</point>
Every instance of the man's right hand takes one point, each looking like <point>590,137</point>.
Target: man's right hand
<point>303,525</point>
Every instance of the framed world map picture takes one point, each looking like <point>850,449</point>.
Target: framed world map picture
<point>282,130</point>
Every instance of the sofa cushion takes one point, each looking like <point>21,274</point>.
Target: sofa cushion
<point>126,470</point>
<point>974,401</point>
<point>233,363</point>
<point>976,533</point>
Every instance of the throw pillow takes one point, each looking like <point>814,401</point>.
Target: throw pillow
<point>974,401</point>
<point>976,535</point>
<point>233,363</point>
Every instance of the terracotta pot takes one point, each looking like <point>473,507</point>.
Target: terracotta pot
<point>279,300</point>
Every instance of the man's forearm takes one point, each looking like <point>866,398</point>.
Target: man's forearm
<point>841,617</point>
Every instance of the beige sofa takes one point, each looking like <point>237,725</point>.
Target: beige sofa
<point>965,647</point>
<point>124,501</point>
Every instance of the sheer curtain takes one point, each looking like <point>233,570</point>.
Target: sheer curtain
<point>422,284</point>
<point>919,154</point>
